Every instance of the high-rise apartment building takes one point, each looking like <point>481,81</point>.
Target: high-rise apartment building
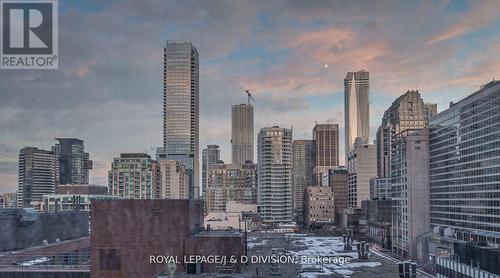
<point>357,119</point>
<point>274,190</point>
<point>242,139</point>
<point>326,145</point>
<point>174,180</point>
<point>407,112</point>
<point>74,163</point>
<point>303,165</point>
<point>181,109</point>
<point>231,182</point>
<point>38,175</point>
<point>410,191</point>
<point>209,156</point>
<point>361,166</point>
<point>464,143</point>
<point>134,176</point>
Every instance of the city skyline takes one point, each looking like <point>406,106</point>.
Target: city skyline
<point>295,73</point>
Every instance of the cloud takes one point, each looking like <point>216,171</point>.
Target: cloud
<point>482,14</point>
<point>108,88</point>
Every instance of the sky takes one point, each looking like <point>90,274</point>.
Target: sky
<point>293,55</point>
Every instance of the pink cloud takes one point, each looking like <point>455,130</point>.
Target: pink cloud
<point>483,13</point>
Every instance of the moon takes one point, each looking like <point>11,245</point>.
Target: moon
<point>326,66</point>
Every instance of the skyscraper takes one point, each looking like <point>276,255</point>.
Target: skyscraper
<point>464,144</point>
<point>407,112</point>
<point>134,176</point>
<point>38,175</point>
<point>274,190</point>
<point>357,123</point>
<point>242,139</point>
<point>326,144</point>
<point>361,166</point>
<point>209,156</point>
<point>303,165</point>
<point>181,108</point>
<point>74,163</point>
<point>410,191</point>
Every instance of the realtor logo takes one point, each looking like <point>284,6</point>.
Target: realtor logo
<point>29,35</point>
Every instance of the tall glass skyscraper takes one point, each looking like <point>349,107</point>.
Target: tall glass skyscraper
<point>303,165</point>
<point>407,112</point>
<point>242,140</point>
<point>74,163</point>
<point>181,109</point>
<point>357,123</point>
<point>465,168</point>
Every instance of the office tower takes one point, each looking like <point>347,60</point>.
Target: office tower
<point>181,109</point>
<point>337,180</point>
<point>74,163</point>
<point>318,205</point>
<point>357,123</point>
<point>231,182</point>
<point>326,140</point>
<point>209,156</point>
<point>38,175</point>
<point>242,140</point>
<point>380,188</point>
<point>465,169</point>
<point>407,112</point>
<point>410,191</point>
<point>362,166</point>
<point>274,190</point>
<point>174,180</point>
<point>303,164</point>
<point>134,176</point>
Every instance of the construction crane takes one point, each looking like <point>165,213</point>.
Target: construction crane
<point>250,97</point>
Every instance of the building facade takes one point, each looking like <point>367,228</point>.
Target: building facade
<point>361,167</point>
<point>465,168</point>
<point>337,180</point>
<point>209,156</point>
<point>38,175</point>
<point>319,205</point>
<point>74,163</point>
<point>231,182</point>
<point>407,112</point>
<point>357,121</point>
<point>134,176</point>
<point>410,191</point>
<point>380,188</point>
<point>274,190</point>
<point>174,180</point>
<point>303,165</point>
<point>181,109</point>
<point>242,137</point>
<point>326,149</point>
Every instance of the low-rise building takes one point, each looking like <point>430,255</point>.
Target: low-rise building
<point>126,233</point>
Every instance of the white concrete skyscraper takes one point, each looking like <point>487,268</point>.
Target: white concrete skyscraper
<point>274,174</point>
<point>242,140</point>
<point>357,124</point>
<point>181,109</point>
